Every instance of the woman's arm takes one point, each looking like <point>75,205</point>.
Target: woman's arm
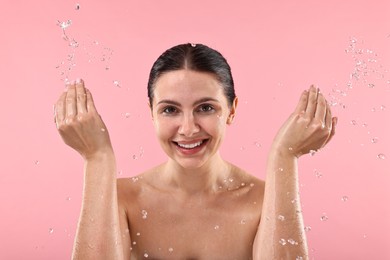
<point>80,126</point>
<point>281,231</point>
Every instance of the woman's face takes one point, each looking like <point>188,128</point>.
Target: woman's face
<point>190,113</point>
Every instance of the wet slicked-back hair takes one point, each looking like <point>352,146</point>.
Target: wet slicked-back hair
<point>196,57</point>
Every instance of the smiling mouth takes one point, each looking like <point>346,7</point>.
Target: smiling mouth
<point>191,145</point>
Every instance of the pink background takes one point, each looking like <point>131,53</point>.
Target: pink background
<point>276,49</point>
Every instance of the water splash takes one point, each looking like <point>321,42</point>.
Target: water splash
<point>381,156</point>
<point>324,217</point>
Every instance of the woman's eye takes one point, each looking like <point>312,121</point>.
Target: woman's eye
<point>206,108</point>
<point>169,110</point>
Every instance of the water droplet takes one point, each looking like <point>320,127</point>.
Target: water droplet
<point>119,172</point>
<point>371,85</point>
<point>344,198</point>
<point>299,258</point>
<point>290,148</point>
<point>36,162</point>
<point>77,7</point>
<point>216,227</point>
<point>318,173</point>
<point>193,45</point>
<point>64,24</point>
<point>127,115</point>
<point>170,250</point>
<point>138,234</point>
<point>146,255</point>
<point>243,184</point>
<point>257,144</point>
<point>134,242</point>
<point>383,107</point>
<point>231,179</point>
<point>281,217</point>
<point>313,152</point>
<point>353,122</point>
<point>135,157</point>
<point>116,83</point>
<point>51,230</point>
<point>282,241</point>
<point>307,228</point>
<point>280,169</point>
<point>294,200</point>
<point>364,236</point>
<point>144,214</point>
<point>292,241</point>
<point>242,222</point>
<point>381,156</point>
<point>324,217</point>
<point>252,184</point>
<point>74,44</point>
<point>134,179</point>
<point>68,198</point>
<point>373,109</point>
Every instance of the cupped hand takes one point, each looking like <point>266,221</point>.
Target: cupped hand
<point>78,122</point>
<point>309,128</point>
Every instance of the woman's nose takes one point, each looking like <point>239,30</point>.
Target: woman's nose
<point>188,126</point>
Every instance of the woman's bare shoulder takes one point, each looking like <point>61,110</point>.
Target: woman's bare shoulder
<point>246,178</point>
<point>132,187</point>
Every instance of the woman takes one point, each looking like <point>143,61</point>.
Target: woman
<point>195,205</point>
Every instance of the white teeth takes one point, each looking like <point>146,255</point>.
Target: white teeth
<point>190,146</point>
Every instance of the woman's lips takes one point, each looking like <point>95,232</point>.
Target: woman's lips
<point>190,147</point>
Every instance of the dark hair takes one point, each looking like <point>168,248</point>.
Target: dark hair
<point>197,57</point>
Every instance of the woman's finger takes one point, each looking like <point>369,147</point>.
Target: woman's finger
<point>71,107</point>
<point>328,118</point>
<point>302,104</point>
<point>312,102</point>
<point>321,109</point>
<point>59,109</point>
<point>90,104</point>
<point>333,130</point>
<point>81,97</point>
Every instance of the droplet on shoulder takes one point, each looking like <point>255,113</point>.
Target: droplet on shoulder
<point>282,241</point>
<point>144,214</point>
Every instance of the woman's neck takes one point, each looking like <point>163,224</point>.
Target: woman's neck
<point>206,179</point>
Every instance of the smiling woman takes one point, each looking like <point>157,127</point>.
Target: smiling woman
<point>195,195</point>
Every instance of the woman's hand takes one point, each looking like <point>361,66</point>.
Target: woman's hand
<point>78,122</point>
<point>309,128</point>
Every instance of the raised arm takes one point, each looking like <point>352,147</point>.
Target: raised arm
<point>281,231</point>
<point>80,126</point>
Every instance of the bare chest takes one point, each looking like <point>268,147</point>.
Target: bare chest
<point>162,228</point>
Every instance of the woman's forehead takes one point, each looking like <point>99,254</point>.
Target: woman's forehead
<point>187,84</point>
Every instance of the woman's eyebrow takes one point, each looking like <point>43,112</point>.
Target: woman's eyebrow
<point>202,100</point>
